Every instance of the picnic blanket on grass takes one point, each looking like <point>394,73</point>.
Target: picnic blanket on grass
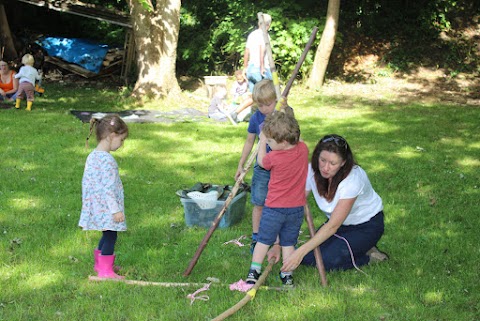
<point>147,116</point>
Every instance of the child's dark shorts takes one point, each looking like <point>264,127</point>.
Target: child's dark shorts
<point>259,187</point>
<point>285,222</point>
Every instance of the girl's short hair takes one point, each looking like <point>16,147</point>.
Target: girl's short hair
<point>107,125</point>
<point>28,60</point>
<point>264,92</point>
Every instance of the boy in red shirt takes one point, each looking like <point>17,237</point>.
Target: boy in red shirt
<point>282,215</point>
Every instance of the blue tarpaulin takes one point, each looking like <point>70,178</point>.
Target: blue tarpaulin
<point>82,52</point>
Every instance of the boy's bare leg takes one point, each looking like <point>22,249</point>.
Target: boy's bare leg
<point>246,103</point>
<point>260,253</point>
<point>287,251</point>
<point>286,276</point>
<point>256,216</point>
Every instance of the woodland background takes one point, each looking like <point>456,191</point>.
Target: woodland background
<point>399,37</point>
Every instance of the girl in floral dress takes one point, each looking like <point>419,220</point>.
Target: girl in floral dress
<point>102,192</point>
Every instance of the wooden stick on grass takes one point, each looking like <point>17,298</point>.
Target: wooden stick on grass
<point>316,251</point>
<point>216,222</point>
<point>249,296</point>
<point>92,278</point>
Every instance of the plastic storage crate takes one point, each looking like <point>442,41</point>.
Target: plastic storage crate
<point>195,216</point>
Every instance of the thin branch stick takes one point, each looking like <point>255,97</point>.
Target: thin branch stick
<point>300,62</point>
<point>144,283</point>
<point>316,250</point>
<point>169,284</point>
<point>249,296</point>
<point>268,49</point>
<point>215,223</point>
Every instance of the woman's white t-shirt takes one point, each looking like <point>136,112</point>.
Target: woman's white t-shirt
<point>356,184</point>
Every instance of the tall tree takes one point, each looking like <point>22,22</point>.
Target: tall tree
<point>156,26</point>
<point>322,55</point>
<point>6,42</point>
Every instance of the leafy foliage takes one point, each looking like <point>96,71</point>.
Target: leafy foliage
<point>213,35</point>
<point>213,32</point>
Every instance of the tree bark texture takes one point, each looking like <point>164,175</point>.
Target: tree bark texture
<point>7,48</point>
<point>155,31</point>
<point>322,55</point>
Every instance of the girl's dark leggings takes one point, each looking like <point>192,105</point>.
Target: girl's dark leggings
<point>107,242</point>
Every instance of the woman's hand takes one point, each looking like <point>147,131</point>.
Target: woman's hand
<point>118,217</point>
<point>292,262</point>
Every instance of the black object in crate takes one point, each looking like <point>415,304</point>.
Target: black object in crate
<point>199,213</point>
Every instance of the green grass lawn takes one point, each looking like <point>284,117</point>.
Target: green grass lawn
<point>422,159</point>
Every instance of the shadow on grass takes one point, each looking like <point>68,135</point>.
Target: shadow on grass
<point>421,159</point>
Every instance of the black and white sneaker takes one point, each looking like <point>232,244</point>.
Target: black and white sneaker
<point>287,280</point>
<point>252,276</point>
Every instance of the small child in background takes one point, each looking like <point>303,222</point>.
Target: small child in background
<point>219,109</point>
<point>102,192</point>
<point>241,98</point>
<point>282,215</point>
<point>27,75</point>
<point>239,88</point>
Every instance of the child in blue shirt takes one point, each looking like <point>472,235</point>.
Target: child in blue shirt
<point>265,98</point>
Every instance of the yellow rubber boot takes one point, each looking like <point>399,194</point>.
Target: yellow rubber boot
<point>17,103</point>
<point>29,105</point>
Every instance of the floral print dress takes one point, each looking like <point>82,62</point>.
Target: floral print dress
<point>102,193</point>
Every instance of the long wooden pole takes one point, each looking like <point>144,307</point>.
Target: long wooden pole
<point>249,296</point>
<point>316,251</point>
<point>217,219</point>
<point>300,62</point>
<point>268,49</point>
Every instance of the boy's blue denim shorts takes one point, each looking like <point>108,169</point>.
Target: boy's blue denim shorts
<point>259,187</point>
<point>284,222</point>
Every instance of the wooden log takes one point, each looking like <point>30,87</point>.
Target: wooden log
<point>76,69</point>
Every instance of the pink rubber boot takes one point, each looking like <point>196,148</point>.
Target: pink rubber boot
<point>105,267</point>
<point>96,253</point>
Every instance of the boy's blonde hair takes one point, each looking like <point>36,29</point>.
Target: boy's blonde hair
<point>281,127</point>
<point>264,92</point>
<point>28,60</point>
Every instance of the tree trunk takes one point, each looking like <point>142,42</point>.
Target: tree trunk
<point>325,48</point>
<point>155,32</point>
<point>7,48</point>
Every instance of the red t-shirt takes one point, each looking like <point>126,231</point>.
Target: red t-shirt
<point>288,173</point>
